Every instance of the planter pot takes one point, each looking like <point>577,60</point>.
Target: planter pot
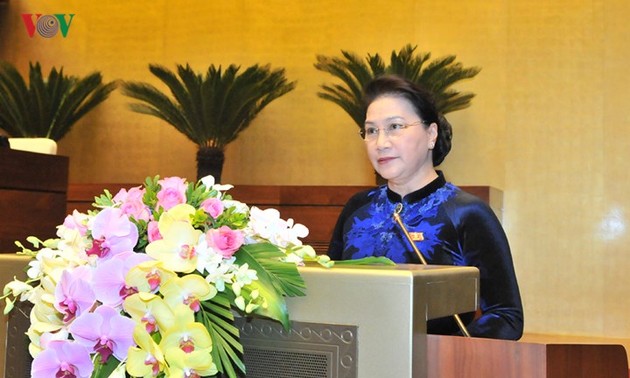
<point>39,145</point>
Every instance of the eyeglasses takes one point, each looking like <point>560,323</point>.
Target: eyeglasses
<point>392,130</point>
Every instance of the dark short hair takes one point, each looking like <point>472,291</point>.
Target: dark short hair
<point>423,104</point>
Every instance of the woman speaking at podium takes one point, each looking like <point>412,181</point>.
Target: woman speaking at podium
<point>406,139</point>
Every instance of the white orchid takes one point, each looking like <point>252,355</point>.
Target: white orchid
<point>209,183</point>
<point>239,207</point>
<point>268,225</point>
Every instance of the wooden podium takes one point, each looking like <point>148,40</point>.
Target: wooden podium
<point>458,357</point>
<point>33,191</point>
<point>385,348</point>
<point>359,322</point>
<point>391,333</point>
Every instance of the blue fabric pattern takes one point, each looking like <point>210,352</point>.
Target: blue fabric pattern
<point>375,233</point>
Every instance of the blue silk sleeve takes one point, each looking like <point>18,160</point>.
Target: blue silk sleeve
<point>484,245</point>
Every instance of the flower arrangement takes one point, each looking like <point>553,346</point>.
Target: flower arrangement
<point>147,283</point>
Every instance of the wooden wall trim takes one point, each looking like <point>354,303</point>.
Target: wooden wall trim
<point>317,207</point>
<point>299,195</point>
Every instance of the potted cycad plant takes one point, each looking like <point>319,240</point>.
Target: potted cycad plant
<point>437,76</point>
<point>47,107</point>
<point>211,109</point>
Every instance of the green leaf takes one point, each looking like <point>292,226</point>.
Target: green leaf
<point>8,305</point>
<point>104,370</point>
<point>219,321</point>
<point>276,279</point>
<point>266,259</point>
<point>104,200</point>
<point>372,260</point>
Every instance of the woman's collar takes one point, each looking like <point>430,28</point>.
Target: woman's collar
<point>419,194</point>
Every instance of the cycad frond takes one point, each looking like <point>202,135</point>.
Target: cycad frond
<point>14,100</point>
<point>355,74</point>
<point>211,109</point>
<point>84,95</point>
<point>406,64</point>
<point>437,76</point>
<point>157,104</point>
<point>47,107</point>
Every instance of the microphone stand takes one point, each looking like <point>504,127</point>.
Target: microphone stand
<point>399,208</point>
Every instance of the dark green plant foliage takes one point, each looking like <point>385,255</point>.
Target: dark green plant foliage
<point>437,76</point>
<point>47,107</point>
<point>211,109</point>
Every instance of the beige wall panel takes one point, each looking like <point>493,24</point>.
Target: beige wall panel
<point>559,213</point>
<point>615,254</point>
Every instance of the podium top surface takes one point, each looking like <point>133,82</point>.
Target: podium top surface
<point>402,272</point>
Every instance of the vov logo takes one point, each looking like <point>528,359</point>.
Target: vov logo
<point>47,25</point>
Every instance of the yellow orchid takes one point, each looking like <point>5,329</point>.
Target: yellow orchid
<point>43,299</point>
<point>179,213</point>
<point>146,360</point>
<point>72,246</point>
<point>119,371</point>
<point>177,248</point>
<point>149,310</point>
<point>17,289</point>
<point>190,365</point>
<point>39,339</point>
<point>44,318</point>
<point>50,265</point>
<point>189,290</point>
<point>185,334</point>
<point>148,276</point>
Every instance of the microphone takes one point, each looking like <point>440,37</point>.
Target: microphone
<point>398,220</point>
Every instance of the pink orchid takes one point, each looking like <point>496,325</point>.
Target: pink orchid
<point>76,221</point>
<point>109,278</point>
<point>104,331</point>
<point>212,206</point>
<point>172,192</point>
<point>132,204</point>
<point>113,233</point>
<point>73,293</point>
<point>225,240</point>
<point>62,358</point>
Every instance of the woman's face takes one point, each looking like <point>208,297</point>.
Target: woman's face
<point>403,157</point>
